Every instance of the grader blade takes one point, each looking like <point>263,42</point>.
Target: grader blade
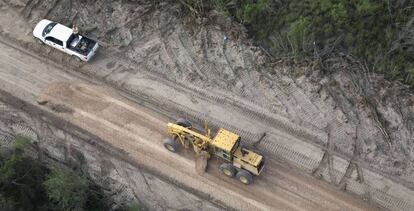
<point>201,162</point>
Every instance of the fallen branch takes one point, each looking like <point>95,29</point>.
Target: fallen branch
<point>189,7</point>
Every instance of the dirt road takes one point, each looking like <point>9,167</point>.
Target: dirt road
<point>139,132</point>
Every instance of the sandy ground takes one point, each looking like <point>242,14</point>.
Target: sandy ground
<point>139,133</point>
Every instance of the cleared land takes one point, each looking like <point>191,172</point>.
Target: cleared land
<point>320,124</point>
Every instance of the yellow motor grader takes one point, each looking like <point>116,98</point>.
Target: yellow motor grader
<point>239,162</point>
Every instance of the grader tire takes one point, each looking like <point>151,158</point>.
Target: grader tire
<point>228,169</point>
<point>201,162</point>
<point>170,145</point>
<point>245,177</point>
<point>183,123</point>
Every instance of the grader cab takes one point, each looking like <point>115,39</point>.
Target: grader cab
<point>238,161</point>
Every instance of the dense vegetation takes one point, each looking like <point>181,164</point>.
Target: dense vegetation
<point>27,184</point>
<point>380,33</point>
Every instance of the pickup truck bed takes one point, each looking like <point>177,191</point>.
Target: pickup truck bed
<point>80,44</point>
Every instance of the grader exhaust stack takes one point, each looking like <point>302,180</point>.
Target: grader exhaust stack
<point>238,161</point>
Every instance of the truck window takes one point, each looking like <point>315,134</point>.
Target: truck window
<point>225,156</point>
<point>58,42</point>
<point>48,28</point>
<point>236,145</point>
<point>54,40</point>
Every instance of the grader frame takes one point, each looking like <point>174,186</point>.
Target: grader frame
<point>240,162</point>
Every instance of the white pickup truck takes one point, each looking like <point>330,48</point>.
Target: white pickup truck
<point>63,38</point>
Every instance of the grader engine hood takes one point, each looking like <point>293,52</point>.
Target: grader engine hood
<point>248,156</point>
<point>248,160</point>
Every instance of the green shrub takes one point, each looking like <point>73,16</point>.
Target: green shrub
<point>134,207</point>
<point>297,33</point>
<point>27,184</point>
<point>372,31</point>
<point>19,179</point>
<point>378,32</point>
<point>248,11</point>
<point>67,189</point>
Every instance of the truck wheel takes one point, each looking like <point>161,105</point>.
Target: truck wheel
<point>228,169</point>
<point>183,123</point>
<point>40,41</point>
<point>245,177</point>
<point>170,145</point>
<point>77,59</point>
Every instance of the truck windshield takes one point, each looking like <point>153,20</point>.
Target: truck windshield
<point>261,165</point>
<point>48,28</point>
<point>236,145</point>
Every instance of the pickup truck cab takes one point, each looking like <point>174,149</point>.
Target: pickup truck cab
<point>62,38</point>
